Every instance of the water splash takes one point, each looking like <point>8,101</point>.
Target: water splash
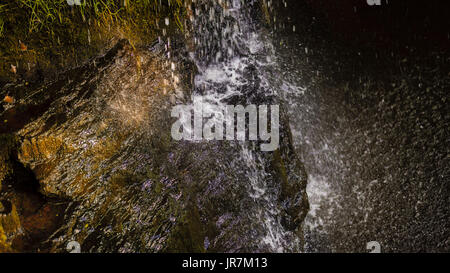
<point>234,56</point>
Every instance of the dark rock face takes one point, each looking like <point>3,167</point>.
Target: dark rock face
<point>97,141</point>
<point>26,216</point>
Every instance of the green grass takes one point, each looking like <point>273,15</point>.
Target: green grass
<point>47,13</point>
<point>56,33</point>
<point>3,9</point>
<point>2,25</point>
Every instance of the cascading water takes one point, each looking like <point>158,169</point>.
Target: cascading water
<point>98,139</point>
<point>234,60</point>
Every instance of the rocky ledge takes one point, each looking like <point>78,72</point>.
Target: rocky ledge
<point>88,157</point>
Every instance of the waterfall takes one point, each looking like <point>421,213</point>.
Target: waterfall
<point>235,58</point>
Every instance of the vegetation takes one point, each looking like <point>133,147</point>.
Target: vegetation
<point>46,34</point>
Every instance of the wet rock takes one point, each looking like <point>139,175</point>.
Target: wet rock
<point>98,138</point>
<point>26,216</point>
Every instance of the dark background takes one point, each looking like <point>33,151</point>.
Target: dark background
<point>377,81</point>
<point>424,24</point>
